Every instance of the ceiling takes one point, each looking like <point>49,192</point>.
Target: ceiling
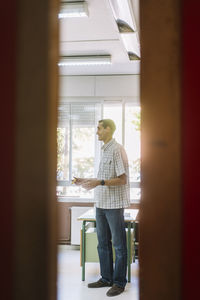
<point>98,34</point>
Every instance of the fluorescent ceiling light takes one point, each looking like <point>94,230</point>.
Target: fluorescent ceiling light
<point>84,60</point>
<point>125,19</point>
<point>123,13</point>
<point>123,26</point>
<point>131,44</point>
<point>73,9</point>
<point>133,56</point>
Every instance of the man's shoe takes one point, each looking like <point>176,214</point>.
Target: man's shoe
<point>98,284</point>
<point>115,290</point>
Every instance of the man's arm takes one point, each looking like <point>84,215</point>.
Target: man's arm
<point>81,181</point>
<point>89,184</point>
<point>120,180</point>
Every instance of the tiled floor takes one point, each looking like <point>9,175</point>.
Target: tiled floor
<point>71,287</point>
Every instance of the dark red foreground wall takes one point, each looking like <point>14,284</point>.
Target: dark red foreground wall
<point>191,145</point>
<point>7,127</point>
<point>191,149</point>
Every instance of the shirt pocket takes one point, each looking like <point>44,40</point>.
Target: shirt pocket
<point>107,166</point>
<point>107,161</point>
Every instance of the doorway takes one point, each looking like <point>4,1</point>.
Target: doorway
<point>35,207</point>
<point>99,78</point>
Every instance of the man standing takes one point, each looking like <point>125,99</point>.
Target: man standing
<point>111,197</point>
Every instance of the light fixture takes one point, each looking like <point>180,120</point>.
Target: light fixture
<point>123,14</point>
<point>131,44</point>
<point>126,23</point>
<point>133,56</point>
<point>123,26</point>
<point>84,60</point>
<point>72,9</point>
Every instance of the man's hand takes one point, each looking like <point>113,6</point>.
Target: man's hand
<point>90,184</point>
<point>86,183</point>
<point>78,181</point>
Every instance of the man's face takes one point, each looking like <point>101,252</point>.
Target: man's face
<point>102,132</point>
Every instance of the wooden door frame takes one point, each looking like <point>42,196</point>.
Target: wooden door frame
<point>161,207</point>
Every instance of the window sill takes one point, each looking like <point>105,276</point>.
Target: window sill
<point>73,199</point>
<point>86,200</point>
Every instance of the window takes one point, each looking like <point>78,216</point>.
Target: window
<point>127,119</point>
<point>78,149</point>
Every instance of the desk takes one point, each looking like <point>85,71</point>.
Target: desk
<point>130,216</point>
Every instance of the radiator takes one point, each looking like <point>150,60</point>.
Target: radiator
<point>76,211</point>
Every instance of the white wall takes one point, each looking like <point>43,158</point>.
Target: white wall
<point>100,86</point>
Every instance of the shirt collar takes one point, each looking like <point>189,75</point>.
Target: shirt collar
<point>106,146</point>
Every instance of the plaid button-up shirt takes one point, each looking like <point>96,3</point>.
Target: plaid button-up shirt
<point>114,162</point>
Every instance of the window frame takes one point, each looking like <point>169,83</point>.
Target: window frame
<point>101,102</point>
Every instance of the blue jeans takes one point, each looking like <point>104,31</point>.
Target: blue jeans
<point>111,230</point>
